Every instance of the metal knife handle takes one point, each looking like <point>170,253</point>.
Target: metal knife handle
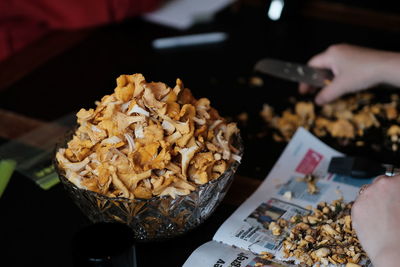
<point>391,170</point>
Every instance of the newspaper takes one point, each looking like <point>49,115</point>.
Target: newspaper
<point>243,235</point>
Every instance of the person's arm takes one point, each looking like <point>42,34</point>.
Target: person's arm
<point>376,220</point>
<point>355,68</point>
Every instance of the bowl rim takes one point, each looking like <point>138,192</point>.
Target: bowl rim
<point>60,172</point>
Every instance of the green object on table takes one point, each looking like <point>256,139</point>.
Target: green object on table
<point>6,170</point>
<point>48,181</point>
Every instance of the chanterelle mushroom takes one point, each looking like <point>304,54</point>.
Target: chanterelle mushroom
<point>147,140</point>
<point>187,155</point>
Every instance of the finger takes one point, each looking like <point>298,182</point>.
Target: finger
<point>363,188</point>
<point>379,178</point>
<point>329,93</point>
<point>304,88</point>
<point>355,214</point>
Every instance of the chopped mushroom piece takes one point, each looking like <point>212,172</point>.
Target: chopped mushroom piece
<point>288,195</point>
<point>345,119</point>
<point>311,181</point>
<point>174,192</point>
<point>243,117</point>
<point>305,110</point>
<point>267,113</point>
<point>256,81</point>
<point>168,126</point>
<point>275,228</point>
<point>343,129</point>
<point>73,166</point>
<point>138,110</point>
<point>266,255</point>
<point>187,155</point>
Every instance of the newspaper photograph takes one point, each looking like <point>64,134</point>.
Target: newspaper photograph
<point>262,216</point>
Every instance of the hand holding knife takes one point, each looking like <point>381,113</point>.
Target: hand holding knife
<point>318,77</point>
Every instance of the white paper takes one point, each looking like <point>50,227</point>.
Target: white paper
<point>217,254</point>
<point>182,14</point>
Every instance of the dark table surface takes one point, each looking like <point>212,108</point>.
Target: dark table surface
<point>37,227</point>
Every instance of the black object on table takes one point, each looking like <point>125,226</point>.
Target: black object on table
<point>104,245</point>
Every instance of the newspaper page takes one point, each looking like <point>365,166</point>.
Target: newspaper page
<point>305,154</point>
<point>216,254</point>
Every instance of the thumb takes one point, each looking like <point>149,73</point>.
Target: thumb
<point>331,92</point>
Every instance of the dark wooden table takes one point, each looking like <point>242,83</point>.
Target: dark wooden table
<point>67,71</point>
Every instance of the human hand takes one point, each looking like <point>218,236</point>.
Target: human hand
<point>355,68</point>
<point>376,217</point>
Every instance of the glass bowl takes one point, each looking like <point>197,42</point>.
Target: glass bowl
<point>159,217</point>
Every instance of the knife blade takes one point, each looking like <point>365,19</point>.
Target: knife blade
<point>295,72</point>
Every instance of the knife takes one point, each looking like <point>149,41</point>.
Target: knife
<point>358,167</point>
<point>295,72</point>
